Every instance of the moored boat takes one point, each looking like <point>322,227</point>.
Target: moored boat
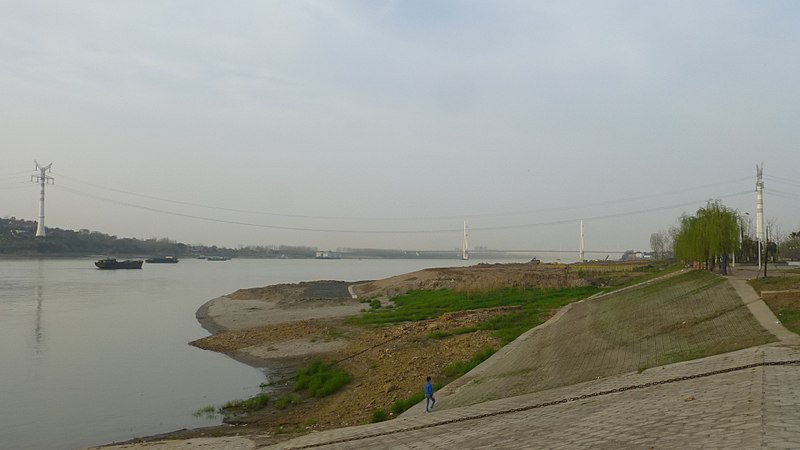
<point>112,263</point>
<point>162,260</point>
<point>217,258</point>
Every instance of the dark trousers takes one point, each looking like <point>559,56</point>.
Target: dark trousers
<point>429,402</point>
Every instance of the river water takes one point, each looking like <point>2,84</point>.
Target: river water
<point>90,357</point>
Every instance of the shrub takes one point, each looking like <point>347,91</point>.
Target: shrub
<point>378,415</point>
<point>402,405</point>
<point>320,379</point>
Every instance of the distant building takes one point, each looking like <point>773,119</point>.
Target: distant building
<point>326,254</point>
<point>633,255</point>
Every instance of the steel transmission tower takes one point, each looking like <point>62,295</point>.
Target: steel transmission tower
<point>43,179</point>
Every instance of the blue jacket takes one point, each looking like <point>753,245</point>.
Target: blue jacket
<point>428,389</point>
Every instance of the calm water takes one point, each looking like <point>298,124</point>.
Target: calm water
<point>89,357</point>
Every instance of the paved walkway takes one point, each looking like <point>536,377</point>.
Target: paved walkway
<point>741,399</point>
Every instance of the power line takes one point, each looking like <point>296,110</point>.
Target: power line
<point>452,217</point>
<point>782,180</point>
<point>781,194</point>
<point>13,175</point>
<point>14,185</point>
<point>429,231</point>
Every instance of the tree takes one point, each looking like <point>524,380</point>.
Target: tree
<point>709,236</point>
<point>659,243</point>
<point>790,248</point>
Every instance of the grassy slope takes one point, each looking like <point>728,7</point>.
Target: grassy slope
<point>786,308</point>
<point>688,316</point>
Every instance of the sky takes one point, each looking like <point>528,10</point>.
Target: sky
<point>388,124</point>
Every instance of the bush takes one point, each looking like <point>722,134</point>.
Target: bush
<point>320,379</point>
<point>402,405</point>
<point>378,415</point>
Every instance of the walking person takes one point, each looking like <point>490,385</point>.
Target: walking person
<point>430,400</point>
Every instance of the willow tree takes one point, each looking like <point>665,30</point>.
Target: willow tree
<point>709,236</point>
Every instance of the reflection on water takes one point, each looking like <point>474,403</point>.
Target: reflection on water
<point>92,356</point>
<point>39,286</point>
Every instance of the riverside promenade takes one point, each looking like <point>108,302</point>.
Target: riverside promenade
<point>748,398</point>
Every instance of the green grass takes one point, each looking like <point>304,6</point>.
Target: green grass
<point>251,404</point>
<point>378,415</point>
<point>787,312</point>
<point>285,400</point>
<point>209,411</point>
<point>320,379</point>
<point>790,318</point>
<point>400,406</point>
<point>776,283</point>
<point>423,305</point>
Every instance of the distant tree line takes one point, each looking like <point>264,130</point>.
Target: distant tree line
<point>17,238</point>
<point>790,248</point>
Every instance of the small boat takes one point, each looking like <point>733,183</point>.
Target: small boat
<point>162,260</point>
<point>217,258</point>
<point>112,263</point>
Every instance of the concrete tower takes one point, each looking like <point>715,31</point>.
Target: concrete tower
<point>760,235</point>
<point>43,179</point>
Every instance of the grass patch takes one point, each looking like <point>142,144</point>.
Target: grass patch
<point>775,283</point>
<point>402,405</point>
<point>458,369</point>
<point>537,304</point>
<point>251,404</point>
<point>286,400</point>
<point>423,305</point>
<point>209,412</point>
<point>785,307</point>
<point>790,318</point>
<point>320,379</point>
<point>378,415</point>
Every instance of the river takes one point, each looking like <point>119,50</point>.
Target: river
<point>90,357</point>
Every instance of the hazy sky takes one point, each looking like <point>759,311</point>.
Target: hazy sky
<point>388,123</point>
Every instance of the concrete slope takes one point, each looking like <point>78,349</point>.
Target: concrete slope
<point>688,316</point>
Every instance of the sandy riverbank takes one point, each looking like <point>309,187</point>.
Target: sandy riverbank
<point>286,326</point>
<point>277,326</point>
